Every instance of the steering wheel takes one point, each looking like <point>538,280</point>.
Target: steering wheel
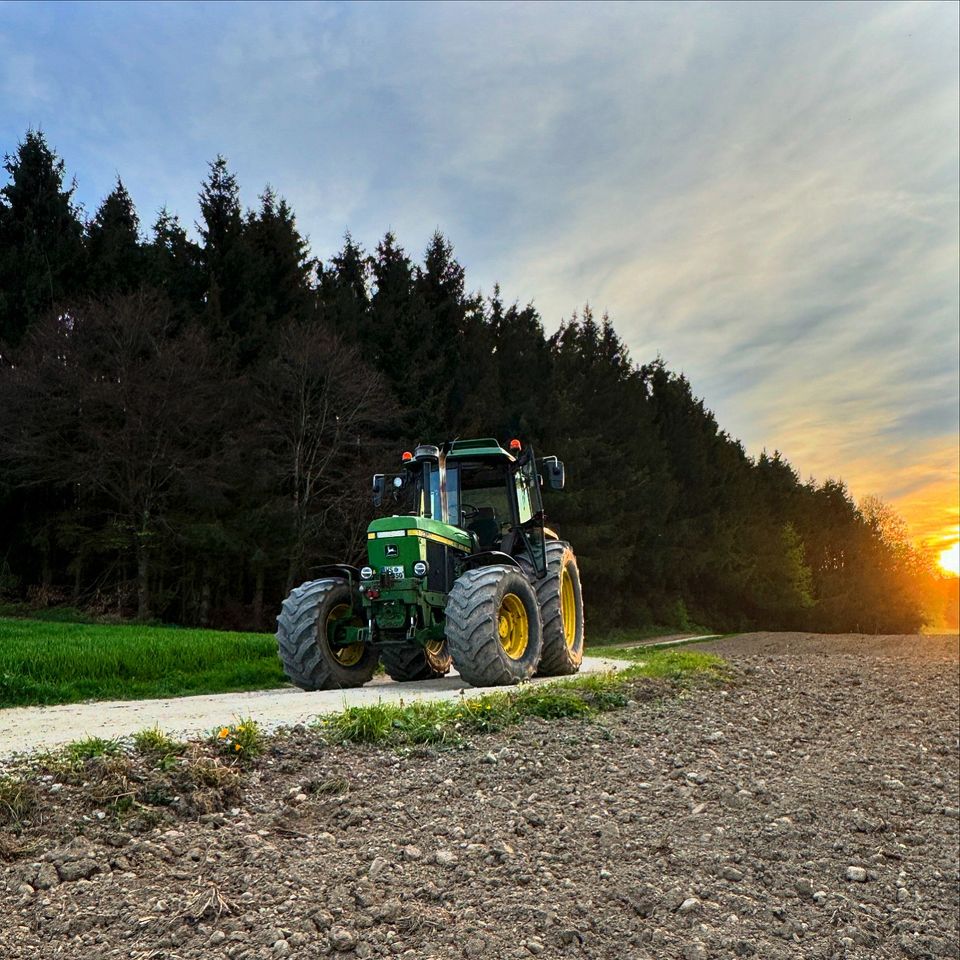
<point>469,511</point>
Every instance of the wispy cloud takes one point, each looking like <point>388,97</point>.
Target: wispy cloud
<point>766,194</point>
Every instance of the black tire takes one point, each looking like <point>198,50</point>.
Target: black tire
<point>409,662</point>
<point>478,605</point>
<point>562,653</point>
<point>305,652</point>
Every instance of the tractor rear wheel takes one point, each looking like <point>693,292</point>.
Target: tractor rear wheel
<point>561,609</point>
<point>493,626</point>
<point>406,662</point>
<point>306,634</point>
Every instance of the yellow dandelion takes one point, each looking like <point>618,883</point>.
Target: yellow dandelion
<point>224,733</point>
<point>237,747</point>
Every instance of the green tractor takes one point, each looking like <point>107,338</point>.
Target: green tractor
<point>464,573</point>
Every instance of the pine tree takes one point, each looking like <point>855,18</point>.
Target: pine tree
<point>226,260</point>
<point>280,275</point>
<point>344,287</point>
<point>41,250</point>
<point>115,254</point>
<point>173,265</point>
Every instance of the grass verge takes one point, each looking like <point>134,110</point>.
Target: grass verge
<point>616,636</point>
<point>446,722</point>
<point>44,662</point>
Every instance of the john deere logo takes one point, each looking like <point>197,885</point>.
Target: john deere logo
<point>392,550</point>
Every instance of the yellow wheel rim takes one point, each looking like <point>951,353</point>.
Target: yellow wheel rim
<point>568,608</point>
<point>350,655</point>
<point>513,627</point>
<point>436,654</point>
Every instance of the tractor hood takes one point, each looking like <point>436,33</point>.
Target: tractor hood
<point>401,541</point>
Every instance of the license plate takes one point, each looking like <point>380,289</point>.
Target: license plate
<point>396,572</point>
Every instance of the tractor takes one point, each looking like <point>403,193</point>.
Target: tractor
<point>462,572</point>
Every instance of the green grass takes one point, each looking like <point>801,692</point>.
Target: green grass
<point>448,723</point>
<point>612,636</point>
<point>18,798</point>
<point>671,663</point>
<point>43,662</point>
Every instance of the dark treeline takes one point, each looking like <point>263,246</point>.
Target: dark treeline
<point>188,427</point>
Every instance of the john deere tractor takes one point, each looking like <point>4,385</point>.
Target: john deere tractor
<point>462,572</point>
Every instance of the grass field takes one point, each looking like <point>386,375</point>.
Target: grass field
<point>55,661</point>
<point>45,662</point>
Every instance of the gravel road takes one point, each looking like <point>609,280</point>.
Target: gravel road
<point>809,809</point>
<point>35,728</point>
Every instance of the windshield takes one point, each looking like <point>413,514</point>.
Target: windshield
<point>432,500</point>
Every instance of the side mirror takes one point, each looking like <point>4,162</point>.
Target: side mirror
<point>555,472</point>
<point>379,488</point>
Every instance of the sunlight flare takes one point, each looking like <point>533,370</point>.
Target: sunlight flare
<point>950,559</point>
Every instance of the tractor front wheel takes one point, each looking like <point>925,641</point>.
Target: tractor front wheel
<point>493,626</point>
<point>309,630</point>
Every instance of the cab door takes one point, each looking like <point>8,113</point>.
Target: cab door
<point>529,505</point>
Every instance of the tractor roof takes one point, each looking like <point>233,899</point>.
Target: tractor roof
<point>486,447</point>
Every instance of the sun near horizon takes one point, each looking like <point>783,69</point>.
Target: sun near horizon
<point>949,559</point>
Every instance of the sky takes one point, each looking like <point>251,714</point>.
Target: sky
<point>766,195</point>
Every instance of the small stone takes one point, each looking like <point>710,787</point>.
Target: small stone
<point>377,868</point>
<point>694,951</point>
<point>856,874</point>
<point>47,877</point>
<point>732,874</point>
<point>218,936</point>
<point>903,895</point>
<point>689,905</point>
<point>412,853</point>
<point>490,758</point>
<point>891,783</point>
<point>342,938</point>
<point>605,874</point>
<point>445,858</point>
<point>281,947</point>
<point>534,945</point>
<point>820,897</point>
<point>804,887</point>
<point>78,870</point>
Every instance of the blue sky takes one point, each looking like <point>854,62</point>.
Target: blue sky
<point>765,194</point>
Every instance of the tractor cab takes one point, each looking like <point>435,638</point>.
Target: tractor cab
<point>480,489</point>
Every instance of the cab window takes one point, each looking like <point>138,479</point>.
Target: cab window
<point>524,504</point>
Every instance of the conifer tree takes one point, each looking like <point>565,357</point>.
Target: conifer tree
<point>41,250</point>
<point>115,254</point>
<point>226,260</point>
<point>173,264</point>
<point>344,289</point>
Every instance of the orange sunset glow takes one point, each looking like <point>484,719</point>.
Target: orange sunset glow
<point>949,559</point>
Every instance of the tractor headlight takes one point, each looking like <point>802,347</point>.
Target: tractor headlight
<point>420,568</point>
<point>367,573</point>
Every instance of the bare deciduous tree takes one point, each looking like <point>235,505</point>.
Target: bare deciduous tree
<point>319,403</point>
<point>107,404</point>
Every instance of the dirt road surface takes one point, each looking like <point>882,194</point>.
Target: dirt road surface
<point>35,728</point>
<point>807,810</point>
